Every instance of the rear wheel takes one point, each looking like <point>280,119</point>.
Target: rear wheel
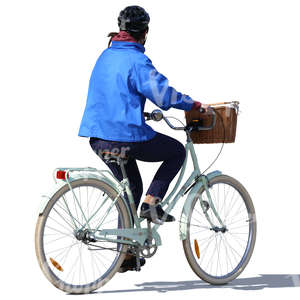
<point>61,239</point>
<point>219,255</point>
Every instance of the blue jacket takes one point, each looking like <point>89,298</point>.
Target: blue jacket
<point>122,79</point>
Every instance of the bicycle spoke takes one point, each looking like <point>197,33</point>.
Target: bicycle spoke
<point>75,205</point>
<point>99,260</point>
<point>57,239</point>
<point>218,262</point>
<point>61,232</point>
<point>65,256</point>
<point>227,256</point>
<point>232,249</point>
<point>203,230</point>
<point>98,219</point>
<point>92,265</point>
<point>67,213</point>
<point>204,250</point>
<point>230,206</point>
<point>237,221</point>
<point>63,219</point>
<point>62,248</point>
<point>72,268</point>
<point>95,204</point>
<point>98,209</point>
<point>203,240</point>
<point>59,223</point>
<point>238,227</point>
<point>209,263</point>
<point>95,263</point>
<point>201,226</point>
<point>239,212</point>
<point>84,273</point>
<point>110,221</point>
<point>79,191</point>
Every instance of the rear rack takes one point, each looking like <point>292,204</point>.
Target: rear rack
<point>85,169</point>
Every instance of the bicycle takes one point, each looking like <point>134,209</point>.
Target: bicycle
<point>85,226</point>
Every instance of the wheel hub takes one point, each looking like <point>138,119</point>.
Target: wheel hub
<point>219,229</point>
<point>85,236</point>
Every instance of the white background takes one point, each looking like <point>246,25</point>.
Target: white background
<point>210,50</point>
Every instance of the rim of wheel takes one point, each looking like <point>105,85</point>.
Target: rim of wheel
<point>67,259</point>
<point>219,254</point>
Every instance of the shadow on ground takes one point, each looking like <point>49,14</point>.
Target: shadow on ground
<point>260,282</point>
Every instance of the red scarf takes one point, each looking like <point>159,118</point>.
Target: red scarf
<point>124,36</point>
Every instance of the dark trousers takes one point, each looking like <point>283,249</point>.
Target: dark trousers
<point>160,148</point>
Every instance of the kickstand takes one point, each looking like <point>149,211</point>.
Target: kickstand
<point>149,240</point>
<point>138,263</point>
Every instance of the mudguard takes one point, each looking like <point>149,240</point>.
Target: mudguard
<point>188,203</point>
<point>86,175</point>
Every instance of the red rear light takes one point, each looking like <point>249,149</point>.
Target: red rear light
<point>61,174</point>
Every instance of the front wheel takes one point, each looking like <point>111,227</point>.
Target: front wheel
<point>219,254</point>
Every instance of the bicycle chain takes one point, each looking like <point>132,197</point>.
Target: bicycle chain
<point>146,251</point>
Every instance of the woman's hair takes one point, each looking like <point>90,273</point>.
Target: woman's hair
<point>138,35</point>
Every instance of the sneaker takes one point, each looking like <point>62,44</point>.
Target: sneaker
<point>155,214</point>
<point>130,264</point>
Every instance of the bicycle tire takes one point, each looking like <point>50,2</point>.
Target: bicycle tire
<point>40,227</point>
<point>219,280</point>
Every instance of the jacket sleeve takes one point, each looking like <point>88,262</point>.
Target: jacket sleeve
<point>155,86</point>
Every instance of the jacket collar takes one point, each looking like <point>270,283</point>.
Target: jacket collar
<point>127,45</point>
<point>124,36</point>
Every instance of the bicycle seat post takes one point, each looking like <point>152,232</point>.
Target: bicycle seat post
<point>121,163</point>
<point>125,180</point>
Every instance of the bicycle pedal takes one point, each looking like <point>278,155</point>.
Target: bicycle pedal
<point>155,214</point>
<point>122,270</point>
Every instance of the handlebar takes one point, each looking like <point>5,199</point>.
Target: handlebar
<point>157,115</point>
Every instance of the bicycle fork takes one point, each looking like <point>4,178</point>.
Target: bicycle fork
<point>205,206</point>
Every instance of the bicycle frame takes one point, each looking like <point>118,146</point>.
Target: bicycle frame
<point>86,200</point>
<point>137,233</point>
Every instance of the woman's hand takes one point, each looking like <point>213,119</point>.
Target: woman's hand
<point>200,106</point>
<point>205,107</point>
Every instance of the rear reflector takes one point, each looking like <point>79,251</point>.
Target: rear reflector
<point>61,174</point>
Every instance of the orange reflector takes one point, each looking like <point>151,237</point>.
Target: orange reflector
<point>56,264</point>
<point>61,174</point>
<point>196,248</point>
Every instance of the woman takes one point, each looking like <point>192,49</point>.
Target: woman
<point>122,79</point>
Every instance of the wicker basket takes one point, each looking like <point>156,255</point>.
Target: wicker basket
<point>227,114</point>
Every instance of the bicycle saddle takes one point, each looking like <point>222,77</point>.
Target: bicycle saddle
<point>113,157</point>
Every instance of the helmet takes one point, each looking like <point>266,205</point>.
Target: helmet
<point>134,19</point>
